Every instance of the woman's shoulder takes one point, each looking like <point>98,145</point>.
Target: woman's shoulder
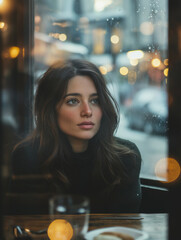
<point>24,157</point>
<point>25,148</point>
<point>133,158</point>
<point>127,143</point>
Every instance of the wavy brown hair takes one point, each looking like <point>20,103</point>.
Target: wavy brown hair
<point>54,148</point>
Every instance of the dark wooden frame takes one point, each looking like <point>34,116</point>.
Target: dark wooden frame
<point>174,85</point>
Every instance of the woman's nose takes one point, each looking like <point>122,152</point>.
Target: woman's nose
<point>86,110</point>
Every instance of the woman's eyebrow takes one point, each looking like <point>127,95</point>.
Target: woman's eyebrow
<point>94,94</point>
<point>78,94</point>
<point>72,94</point>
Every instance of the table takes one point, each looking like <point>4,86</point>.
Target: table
<point>154,224</point>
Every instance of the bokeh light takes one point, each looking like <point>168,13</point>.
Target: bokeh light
<point>14,51</point>
<point>62,37</point>
<point>103,70</point>
<point>123,71</point>
<point>37,19</point>
<point>165,72</point>
<point>135,54</point>
<point>147,28</point>
<point>166,62</point>
<point>114,39</point>
<point>155,62</point>
<point>60,229</point>
<point>167,169</point>
<point>109,67</point>
<point>134,62</point>
<point>100,5</point>
<point>2,24</point>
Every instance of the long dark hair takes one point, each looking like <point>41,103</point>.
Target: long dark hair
<point>54,149</point>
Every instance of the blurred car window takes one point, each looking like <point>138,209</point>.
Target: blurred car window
<point>148,111</point>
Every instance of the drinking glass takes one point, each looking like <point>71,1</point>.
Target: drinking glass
<point>74,209</point>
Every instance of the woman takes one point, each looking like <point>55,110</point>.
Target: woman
<point>73,140</point>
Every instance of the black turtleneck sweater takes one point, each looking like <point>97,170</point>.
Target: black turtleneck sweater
<point>120,198</point>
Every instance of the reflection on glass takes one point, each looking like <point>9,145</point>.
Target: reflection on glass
<point>128,42</point>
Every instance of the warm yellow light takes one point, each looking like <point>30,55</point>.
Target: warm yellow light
<point>134,62</point>
<point>155,62</point>
<point>147,28</point>
<point>165,62</point>
<point>136,54</point>
<point>114,39</point>
<point>60,229</point>
<point>23,52</point>
<point>5,6</point>
<point>2,24</point>
<point>123,71</point>
<point>62,37</point>
<point>167,169</point>
<point>165,72</point>
<point>103,70</point>
<point>14,51</point>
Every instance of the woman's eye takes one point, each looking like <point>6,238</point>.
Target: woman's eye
<point>95,101</point>
<point>72,101</point>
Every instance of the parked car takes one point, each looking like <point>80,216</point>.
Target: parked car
<point>149,111</point>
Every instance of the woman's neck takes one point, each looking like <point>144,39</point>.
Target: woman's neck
<point>78,145</point>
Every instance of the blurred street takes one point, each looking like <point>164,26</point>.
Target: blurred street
<point>152,147</point>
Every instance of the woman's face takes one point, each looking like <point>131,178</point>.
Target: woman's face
<point>79,114</point>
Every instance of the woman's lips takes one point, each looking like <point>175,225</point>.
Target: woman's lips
<point>86,125</point>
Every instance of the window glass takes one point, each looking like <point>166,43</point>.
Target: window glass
<point>127,39</point>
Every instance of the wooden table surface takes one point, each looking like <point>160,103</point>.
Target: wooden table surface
<point>154,224</point>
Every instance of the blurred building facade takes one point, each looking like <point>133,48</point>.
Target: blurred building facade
<point>104,32</point>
